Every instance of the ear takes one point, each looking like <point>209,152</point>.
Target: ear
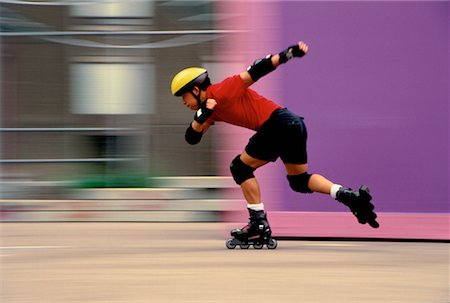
<point>196,90</point>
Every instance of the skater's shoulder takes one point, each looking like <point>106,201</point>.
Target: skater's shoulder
<point>230,86</point>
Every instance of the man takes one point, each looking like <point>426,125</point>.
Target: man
<point>279,134</point>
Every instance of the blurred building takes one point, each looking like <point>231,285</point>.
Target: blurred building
<point>85,86</point>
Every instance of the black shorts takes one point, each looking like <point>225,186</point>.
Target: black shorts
<point>282,135</point>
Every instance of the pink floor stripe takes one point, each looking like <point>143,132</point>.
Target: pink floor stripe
<point>344,225</point>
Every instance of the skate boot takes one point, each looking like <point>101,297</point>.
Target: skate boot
<point>359,204</point>
<point>257,233</point>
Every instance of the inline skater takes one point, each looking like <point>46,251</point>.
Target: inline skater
<point>279,134</point>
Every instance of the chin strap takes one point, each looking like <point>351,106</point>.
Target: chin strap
<point>203,113</point>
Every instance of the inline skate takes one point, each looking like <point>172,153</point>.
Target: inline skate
<point>359,204</point>
<point>256,233</point>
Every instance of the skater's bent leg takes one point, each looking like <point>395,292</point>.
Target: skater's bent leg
<point>358,201</point>
<point>258,228</point>
<point>315,183</point>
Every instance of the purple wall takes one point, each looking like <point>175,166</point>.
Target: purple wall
<point>374,91</point>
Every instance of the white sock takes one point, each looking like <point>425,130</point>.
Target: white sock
<point>334,190</point>
<point>256,207</point>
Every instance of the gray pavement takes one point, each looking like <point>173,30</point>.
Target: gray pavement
<point>188,262</point>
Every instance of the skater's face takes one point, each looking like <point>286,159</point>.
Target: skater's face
<point>189,100</point>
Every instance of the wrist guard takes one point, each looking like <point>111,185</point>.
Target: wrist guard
<point>261,67</point>
<point>290,52</point>
<point>191,136</point>
<point>202,114</point>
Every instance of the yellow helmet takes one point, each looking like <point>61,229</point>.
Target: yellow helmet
<point>185,80</point>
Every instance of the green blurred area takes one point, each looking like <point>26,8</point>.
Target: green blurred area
<point>113,181</point>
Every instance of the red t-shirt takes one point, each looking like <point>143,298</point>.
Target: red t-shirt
<point>239,105</point>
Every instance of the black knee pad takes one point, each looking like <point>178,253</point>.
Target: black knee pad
<point>241,171</point>
<point>299,183</point>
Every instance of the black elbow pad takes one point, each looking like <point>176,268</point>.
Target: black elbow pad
<point>260,68</point>
<point>192,137</point>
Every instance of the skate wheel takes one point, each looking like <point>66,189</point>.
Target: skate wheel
<point>257,246</point>
<point>230,244</point>
<point>244,246</point>
<point>272,244</point>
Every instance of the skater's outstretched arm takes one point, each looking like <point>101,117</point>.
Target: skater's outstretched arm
<point>262,67</point>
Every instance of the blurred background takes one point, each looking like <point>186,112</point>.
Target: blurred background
<point>87,119</point>
<point>90,80</point>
